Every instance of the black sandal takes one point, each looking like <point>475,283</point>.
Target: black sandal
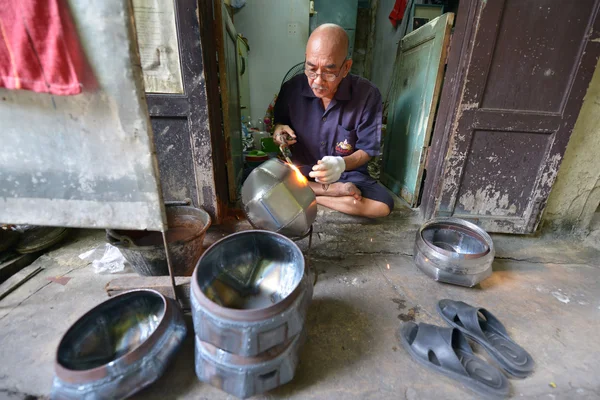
<point>481,326</point>
<point>446,350</point>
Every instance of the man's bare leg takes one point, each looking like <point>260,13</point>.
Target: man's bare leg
<point>337,189</point>
<point>346,198</point>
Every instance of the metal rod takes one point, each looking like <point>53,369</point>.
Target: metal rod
<point>171,275</point>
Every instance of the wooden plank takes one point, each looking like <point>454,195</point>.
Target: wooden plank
<point>161,284</point>
<point>18,279</point>
<point>11,267</point>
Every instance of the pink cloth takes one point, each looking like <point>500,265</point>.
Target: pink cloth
<point>39,48</point>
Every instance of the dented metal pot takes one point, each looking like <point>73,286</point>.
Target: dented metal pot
<point>118,347</point>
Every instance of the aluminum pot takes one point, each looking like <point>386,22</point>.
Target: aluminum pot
<point>454,251</point>
<point>277,197</point>
<point>250,292</point>
<point>118,347</point>
<point>248,376</point>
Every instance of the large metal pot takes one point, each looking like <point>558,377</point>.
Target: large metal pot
<point>118,347</point>
<point>277,197</point>
<point>454,251</point>
<point>250,292</point>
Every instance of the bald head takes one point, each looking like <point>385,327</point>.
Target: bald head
<point>330,39</point>
<point>327,62</point>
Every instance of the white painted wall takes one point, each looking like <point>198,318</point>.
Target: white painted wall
<point>273,51</point>
<point>385,46</point>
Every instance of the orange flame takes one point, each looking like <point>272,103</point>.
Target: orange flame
<point>299,175</point>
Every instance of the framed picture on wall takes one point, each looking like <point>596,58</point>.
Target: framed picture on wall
<point>423,13</point>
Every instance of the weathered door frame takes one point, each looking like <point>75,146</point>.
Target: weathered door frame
<point>224,26</point>
<point>464,30</point>
<point>206,16</point>
<point>194,105</point>
<point>448,114</point>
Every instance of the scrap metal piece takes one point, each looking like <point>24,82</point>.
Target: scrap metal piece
<point>454,251</point>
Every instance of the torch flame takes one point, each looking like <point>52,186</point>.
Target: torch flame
<point>299,175</point>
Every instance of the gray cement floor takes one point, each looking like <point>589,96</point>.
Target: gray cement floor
<point>544,290</point>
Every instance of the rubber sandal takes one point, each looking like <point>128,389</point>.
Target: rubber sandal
<point>481,326</point>
<point>446,350</point>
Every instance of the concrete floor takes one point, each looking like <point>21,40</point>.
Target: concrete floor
<point>544,290</point>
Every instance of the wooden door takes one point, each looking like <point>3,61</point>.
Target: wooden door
<point>418,73</point>
<point>177,101</point>
<point>520,78</point>
<point>226,40</point>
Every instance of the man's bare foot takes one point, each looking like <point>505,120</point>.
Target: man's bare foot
<point>340,189</point>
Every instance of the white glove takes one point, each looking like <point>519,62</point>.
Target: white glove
<point>328,170</point>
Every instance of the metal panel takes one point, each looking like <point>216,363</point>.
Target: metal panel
<point>84,160</point>
<point>419,71</point>
<point>519,96</point>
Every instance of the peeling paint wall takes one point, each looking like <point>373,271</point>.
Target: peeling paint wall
<point>576,194</point>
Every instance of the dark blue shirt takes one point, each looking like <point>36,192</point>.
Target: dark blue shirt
<point>351,122</point>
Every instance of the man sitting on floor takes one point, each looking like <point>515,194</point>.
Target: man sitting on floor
<point>332,122</point>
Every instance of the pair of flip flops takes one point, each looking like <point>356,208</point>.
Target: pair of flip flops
<point>447,351</point>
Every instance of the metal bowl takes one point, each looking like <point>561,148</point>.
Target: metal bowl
<point>251,270</point>
<point>119,347</point>
<point>277,197</point>
<point>455,251</point>
<point>250,292</point>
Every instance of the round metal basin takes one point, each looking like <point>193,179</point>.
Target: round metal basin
<point>251,270</point>
<point>250,292</point>
<point>118,347</point>
<point>454,238</point>
<point>454,251</point>
<point>277,197</point>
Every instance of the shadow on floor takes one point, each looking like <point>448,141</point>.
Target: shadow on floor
<point>338,336</point>
<point>180,375</point>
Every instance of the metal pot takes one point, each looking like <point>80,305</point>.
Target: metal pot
<point>248,376</point>
<point>145,250</point>
<point>454,251</point>
<point>277,197</point>
<point>118,347</point>
<point>250,292</point>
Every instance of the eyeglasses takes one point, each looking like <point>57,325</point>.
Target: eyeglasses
<point>326,76</point>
